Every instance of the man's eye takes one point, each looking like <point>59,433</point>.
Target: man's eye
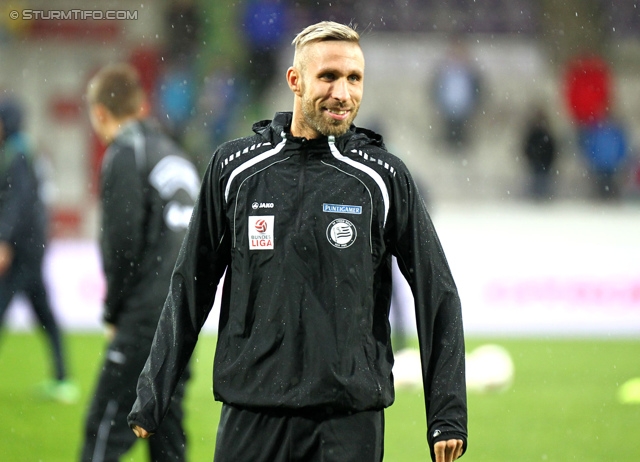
<point>354,78</point>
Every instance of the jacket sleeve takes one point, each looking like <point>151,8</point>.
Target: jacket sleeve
<point>438,313</point>
<point>122,231</point>
<point>202,261</point>
<point>17,197</point>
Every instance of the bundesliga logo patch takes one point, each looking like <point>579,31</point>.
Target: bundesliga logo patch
<point>261,232</point>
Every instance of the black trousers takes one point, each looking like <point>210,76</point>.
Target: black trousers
<point>25,277</point>
<point>250,436</point>
<point>107,435</point>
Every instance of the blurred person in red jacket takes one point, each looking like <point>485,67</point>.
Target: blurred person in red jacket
<point>588,88</point>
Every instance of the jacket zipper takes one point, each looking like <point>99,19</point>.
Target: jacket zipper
<point>301,179</point>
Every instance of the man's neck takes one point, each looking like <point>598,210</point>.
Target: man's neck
<point>118,125</point>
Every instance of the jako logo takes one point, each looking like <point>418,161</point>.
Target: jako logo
<point>262,205</point>
<point>261,226</point>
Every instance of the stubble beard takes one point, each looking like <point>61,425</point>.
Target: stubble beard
<point>326,127</point>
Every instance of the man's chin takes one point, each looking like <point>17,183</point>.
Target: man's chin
<point>327,126</point>
<point>336,129</point>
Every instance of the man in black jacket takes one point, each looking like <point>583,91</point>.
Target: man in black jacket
<point>304,216</point>
<point>148,188</point>
<point>23,240</point>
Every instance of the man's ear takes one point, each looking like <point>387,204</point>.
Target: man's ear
<point>145,108</point>
<point>101,121</point>
<point>99,112</point>
<point>294,81</point>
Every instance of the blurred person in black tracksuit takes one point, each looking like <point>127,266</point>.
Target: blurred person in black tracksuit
<point>23,239</point>
<point>148,188</point>
<point>540,150</point>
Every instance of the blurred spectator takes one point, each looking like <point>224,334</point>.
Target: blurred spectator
<point>23,240</point>
<point>266,23</point>
<point>219,102</point>
<point>587,83</point>
<point>632,183</point>
<point>540,150</point>
<point>183,27</point>
<point>605,146</point>
<point>588,90</point>
<point>176,99</point>
<point>176,91</point>
<point>457,90</point>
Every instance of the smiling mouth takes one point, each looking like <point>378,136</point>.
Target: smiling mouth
<point>338,114</point>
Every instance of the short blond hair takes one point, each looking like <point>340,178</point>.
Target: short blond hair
<point>322,32</point>
<point>325,30</point>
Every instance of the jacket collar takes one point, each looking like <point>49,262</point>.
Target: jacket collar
<point>273,131</point>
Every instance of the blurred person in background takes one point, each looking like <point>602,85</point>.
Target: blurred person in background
<point>605,145</point>
<point>540,152</point>
<point>601,139</point>
<point>588,87</point>
<point>182,26</point>
<point>304,217</point>
<point>147,191</point>
<point>176,92</point>
<point>265,23</point>
<point>456,88</point>
<point>219,102</point>
<point>23,240</point>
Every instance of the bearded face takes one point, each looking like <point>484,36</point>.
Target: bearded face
<point>328,117</point>
<point>330,88</point>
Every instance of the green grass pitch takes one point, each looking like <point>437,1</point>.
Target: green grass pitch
<point>562,407</point>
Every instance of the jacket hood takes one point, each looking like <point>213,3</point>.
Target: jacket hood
<point>10,117</point>
<point>272,131</point>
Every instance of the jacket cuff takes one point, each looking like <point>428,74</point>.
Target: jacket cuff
<point>109,317</point>
<point>134,418</point>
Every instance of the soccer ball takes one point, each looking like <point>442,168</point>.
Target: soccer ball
<point>629,392</point>
<point>407,369</point>
<point>490,369</point>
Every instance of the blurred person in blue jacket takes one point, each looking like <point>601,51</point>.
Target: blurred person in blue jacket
<point>456,90</point>
<point>605,146</point>
<point>265,24</point>
<point>23,240</point>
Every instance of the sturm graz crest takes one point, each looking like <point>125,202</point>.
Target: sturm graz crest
<point>341,233</point>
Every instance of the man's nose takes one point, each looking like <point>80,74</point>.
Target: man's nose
<point>341,90</point>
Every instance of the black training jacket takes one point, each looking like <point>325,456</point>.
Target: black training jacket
<point>148,189</point>
<point>305,230</point>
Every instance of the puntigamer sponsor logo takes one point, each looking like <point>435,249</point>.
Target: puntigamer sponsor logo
<point>337,208</point>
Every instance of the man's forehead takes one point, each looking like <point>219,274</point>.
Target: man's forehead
<point>333,52</point>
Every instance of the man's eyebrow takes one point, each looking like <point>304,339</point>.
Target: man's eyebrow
<point>335,70</point>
